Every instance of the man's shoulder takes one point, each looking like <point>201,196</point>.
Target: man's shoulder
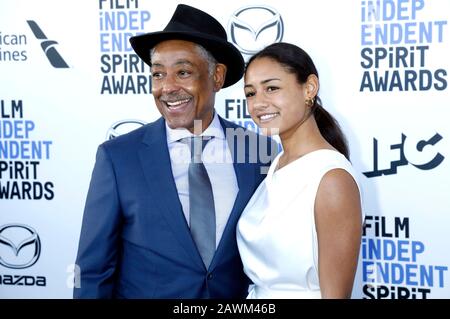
<point>234,129</point>
<point>135,137</point>
<point>261,149</point>
<point>228,124</point>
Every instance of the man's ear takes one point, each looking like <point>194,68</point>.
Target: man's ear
<point>220,72</point>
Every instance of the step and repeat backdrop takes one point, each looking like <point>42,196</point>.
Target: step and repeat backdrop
<point>69,80</point>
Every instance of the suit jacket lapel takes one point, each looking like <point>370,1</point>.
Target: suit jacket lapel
<point>245,174</point>
<point>155,161</point>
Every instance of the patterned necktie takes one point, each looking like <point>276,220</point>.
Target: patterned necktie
<point>202,215</point>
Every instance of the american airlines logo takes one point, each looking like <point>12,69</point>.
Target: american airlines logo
<point>48,46</point>
<point>252,28</point>
<point>20,246</point>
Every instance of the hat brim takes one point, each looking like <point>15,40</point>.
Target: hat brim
<point>224,52</point>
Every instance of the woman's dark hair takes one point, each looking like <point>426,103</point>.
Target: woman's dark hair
<point>298,62</point>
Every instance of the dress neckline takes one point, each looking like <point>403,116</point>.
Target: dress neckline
<point>274,168</point>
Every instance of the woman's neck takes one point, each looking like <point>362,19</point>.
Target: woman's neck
<point>300,141</point>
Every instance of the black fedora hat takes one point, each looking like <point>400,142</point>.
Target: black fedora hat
<point>196,26</point>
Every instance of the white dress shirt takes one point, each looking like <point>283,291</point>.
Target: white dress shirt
<point>218,163</point>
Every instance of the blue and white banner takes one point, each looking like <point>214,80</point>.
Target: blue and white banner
<point>69,80</point>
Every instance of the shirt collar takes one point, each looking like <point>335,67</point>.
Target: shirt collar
<point>214,129</point>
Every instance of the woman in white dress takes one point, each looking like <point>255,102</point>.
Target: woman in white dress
<point>300,234</point>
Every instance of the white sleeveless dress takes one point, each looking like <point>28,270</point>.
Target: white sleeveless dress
<point>276,233</point>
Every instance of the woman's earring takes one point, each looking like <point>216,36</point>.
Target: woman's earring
<point>309,102</point>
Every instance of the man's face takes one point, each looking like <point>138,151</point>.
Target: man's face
<point>183,89</point>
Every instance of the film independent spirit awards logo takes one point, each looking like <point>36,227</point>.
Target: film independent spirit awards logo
<point>20,246</point>
<point>251,28</point>
<point>123,127</point>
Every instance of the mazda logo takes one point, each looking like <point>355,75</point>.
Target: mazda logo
<point>20,246</point>
<point>123,127</point>
<point>252,28</point>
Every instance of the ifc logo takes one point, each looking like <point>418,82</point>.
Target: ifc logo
<point>20,246</point>
<point>123,127</point>
<point>252,28</point>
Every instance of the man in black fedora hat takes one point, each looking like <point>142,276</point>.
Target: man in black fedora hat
<point>163,202</point>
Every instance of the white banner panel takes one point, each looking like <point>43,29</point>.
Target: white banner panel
<point>69,80</point>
